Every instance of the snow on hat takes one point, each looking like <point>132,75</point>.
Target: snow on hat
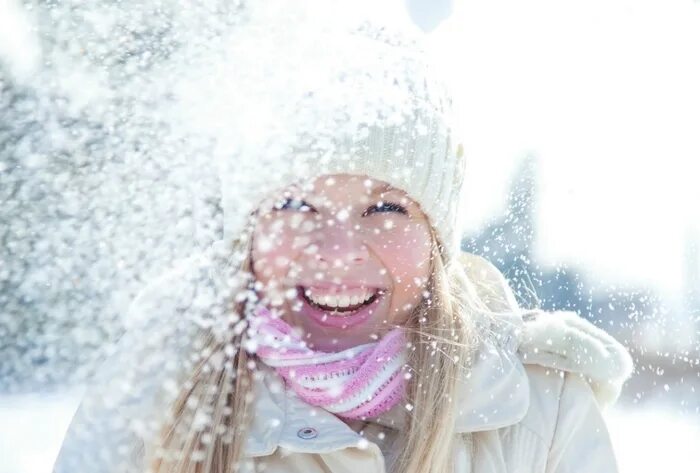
<point>315,101</point>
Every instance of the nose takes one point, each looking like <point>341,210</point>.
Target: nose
<point>340,246</point>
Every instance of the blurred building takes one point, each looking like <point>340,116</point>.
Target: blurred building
<point>508,242</point>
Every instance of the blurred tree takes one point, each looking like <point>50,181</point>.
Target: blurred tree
<point>98,191</point>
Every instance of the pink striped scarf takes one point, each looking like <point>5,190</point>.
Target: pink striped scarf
<point>358,383</point>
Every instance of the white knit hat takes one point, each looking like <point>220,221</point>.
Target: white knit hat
<point>352,102</point>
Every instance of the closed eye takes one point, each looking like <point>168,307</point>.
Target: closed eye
<point>380,207</point>
<point>289,203</point>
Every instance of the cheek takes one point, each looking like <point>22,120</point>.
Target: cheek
<point>406,254</point>
<point>278,242</point>
<point>273,249</point>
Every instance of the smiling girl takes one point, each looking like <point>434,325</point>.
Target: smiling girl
<point>354,252</point>
<point>338,327</point>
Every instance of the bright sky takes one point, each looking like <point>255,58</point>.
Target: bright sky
<point>606,93</point>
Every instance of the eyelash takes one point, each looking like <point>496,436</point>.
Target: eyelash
<point>389,206</point>
<point>305,207</point>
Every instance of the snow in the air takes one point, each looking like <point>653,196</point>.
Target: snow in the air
<point>580,126</point>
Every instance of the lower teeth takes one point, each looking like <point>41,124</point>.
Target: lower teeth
<point>337,310</point>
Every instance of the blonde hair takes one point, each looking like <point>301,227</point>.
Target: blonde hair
<point>206,430</point>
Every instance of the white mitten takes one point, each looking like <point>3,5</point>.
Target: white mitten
<point>565,341</point>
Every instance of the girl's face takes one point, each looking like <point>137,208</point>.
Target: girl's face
<point>344,259</point>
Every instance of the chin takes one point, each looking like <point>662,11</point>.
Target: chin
<point>343,341</point>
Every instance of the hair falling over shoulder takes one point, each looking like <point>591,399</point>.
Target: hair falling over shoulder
<point>206,426</point>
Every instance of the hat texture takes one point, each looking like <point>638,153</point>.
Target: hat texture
<point>331,101</point>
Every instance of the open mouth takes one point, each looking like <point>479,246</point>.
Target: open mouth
<point>341,310</point>
<point>340,304</point>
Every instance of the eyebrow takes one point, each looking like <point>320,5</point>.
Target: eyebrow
<point>383,188</point>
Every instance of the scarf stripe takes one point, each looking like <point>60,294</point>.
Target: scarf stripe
<point>360,382</point>
<point>367,375</point>
<point>383,378</point>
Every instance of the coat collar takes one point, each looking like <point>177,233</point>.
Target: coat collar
<point>494,394</point>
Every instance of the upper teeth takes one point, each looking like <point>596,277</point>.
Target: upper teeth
<point>340,300</point>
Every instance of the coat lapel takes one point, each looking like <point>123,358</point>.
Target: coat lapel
<point>496,393</point>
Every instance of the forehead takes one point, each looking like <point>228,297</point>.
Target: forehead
<point>345,187</point>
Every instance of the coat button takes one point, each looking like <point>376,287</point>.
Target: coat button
<point>307,433</point>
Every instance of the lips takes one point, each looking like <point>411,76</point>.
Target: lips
<point>338,314</point>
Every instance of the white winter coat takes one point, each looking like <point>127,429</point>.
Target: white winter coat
<point>532,402</point>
